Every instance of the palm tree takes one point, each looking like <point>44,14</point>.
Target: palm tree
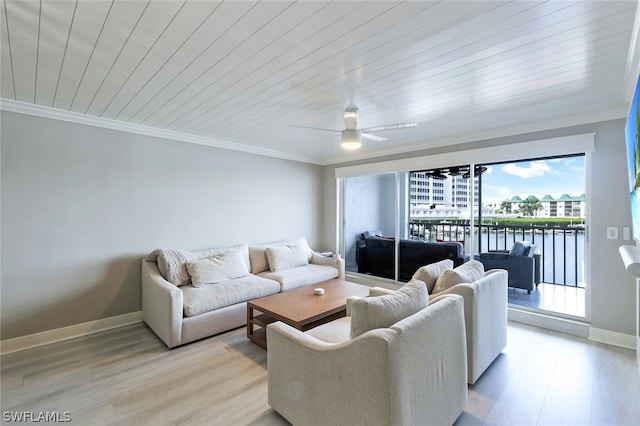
<point>530,206</point>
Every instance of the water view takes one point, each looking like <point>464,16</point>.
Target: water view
<point>561,248</point>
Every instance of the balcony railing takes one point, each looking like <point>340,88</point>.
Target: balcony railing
<point>561,248</point>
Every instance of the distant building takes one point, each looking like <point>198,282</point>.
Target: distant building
<point>564,206</point>
<point>448,197</point>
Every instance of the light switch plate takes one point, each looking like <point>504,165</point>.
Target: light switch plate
<point>626,233</point>
<point>612,232</point>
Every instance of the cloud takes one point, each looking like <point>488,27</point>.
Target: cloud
<point>536,168</point>
<point>494,194</point>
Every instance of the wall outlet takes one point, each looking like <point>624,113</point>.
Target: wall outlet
<point>612,232</point>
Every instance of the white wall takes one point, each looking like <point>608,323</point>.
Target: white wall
<point>82,205</point>
<point>612,291</point>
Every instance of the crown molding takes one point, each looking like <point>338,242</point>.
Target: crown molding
<point>105,123</point>
<point>74,117</point>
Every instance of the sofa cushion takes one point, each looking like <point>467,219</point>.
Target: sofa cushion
<point>430,273</point>
<point>172,264</point>
<point>520,248</point>
<point>286,257</point>
<point>466,273</point>
<point>197,301</point>
<point>258,253</point>
<point>302,275</point>
<point>335,331</point>
<point>225,266</point>
<point>383,311</point>
<point>242,248</point>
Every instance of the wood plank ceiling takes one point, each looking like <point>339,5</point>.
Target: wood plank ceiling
<point>243,72</point>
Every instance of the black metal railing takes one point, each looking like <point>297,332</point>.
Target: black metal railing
<point>561,248</point>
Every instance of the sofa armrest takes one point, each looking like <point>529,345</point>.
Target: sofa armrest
<point>335,261</point>
<point>379,291</point>
<point>350,301</point>
<point>162,305</point>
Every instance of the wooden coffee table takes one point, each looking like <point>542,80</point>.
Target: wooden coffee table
<point>300,308</point>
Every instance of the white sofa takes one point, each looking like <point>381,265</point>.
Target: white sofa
<point>409,371</point>
<point>187,296</point>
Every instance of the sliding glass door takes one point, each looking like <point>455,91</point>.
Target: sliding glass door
<point>370,224</point>
<point>541,202</point>
<point>483,199</point>
<point>389,217</point>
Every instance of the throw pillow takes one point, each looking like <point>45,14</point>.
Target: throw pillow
<point>466,273</point>
<point>300,242</point>
<point>172,264</point>
<point>225,266</point>
<point>430,273</point>
<point>383,311</point>
<point>520,248</point>
<point>258,253</point>
<point>242,248</point>
<point>258,258</point>
<point>286,257</point>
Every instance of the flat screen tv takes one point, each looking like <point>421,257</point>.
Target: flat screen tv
<point>632,135</point>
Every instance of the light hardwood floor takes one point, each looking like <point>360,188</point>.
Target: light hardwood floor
<point>127,376</point>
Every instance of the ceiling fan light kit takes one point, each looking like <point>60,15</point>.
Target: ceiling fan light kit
<point>351,139</point>
<point>352,136</point>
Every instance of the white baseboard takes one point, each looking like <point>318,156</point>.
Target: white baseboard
<point>622,340</point>
<point>65,333</point>
<point>562,325</point>
<point>574,328</point>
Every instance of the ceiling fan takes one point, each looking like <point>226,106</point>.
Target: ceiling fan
<point>352,136</point>
<point>464,171</point>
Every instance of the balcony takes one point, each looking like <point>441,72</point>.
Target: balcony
<point>562,258</point>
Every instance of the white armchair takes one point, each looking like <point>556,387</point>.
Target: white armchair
<point>485,310</point>
<point>413,372</point>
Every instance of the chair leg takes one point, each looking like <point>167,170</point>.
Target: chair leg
<point>528,291</point>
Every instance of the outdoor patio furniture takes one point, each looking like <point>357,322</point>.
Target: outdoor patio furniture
<point>522,263</point>
<point>376,255</point>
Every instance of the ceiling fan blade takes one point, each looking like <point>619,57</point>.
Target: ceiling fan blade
<point>373,137</point>
<point>316,128</point>
<point>389,127</point>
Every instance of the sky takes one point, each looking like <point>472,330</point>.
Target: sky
<point>540,177</point>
